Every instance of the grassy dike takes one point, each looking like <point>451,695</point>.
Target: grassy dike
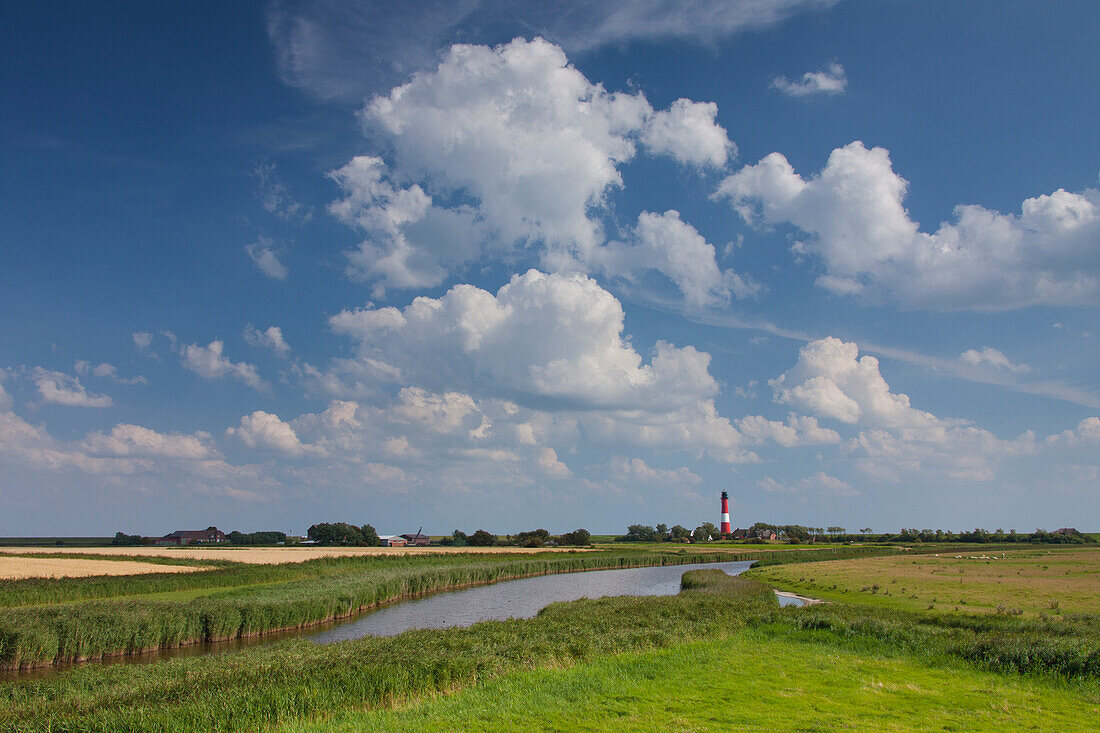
<point>50,621</point>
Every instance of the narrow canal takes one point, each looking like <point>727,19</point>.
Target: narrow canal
<point>516,599</point>
<point>522,598</point>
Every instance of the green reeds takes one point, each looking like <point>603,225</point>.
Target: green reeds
<point>330,589</point>
<point>263,687</point>
<point>256,689</point>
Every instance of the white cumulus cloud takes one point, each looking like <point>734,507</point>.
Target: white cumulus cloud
<point>667,244</point>
<point>209,362</point>
<point>855,221</point>
<point>989,357</point>
<point>540,336</point>
<point>690,133</point>
<point>270,338</point>
<point>509,150</point>
<point>1087,432</point>
<point>830,80</point>
<point>799,430</point>
<point>265,430</point>
<point>135,440</point>
<point>830,380</point>
<point>57,388</point>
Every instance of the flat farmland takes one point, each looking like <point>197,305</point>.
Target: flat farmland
<point>1018,582</point>
<point>274,555</point>
<point>14,567</point>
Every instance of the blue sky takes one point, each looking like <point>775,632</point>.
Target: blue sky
<point>510,264</point>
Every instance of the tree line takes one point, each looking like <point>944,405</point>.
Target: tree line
<point>531,538</point>
<point>349,535</point>
<point>798,534</point>
<point>344,534</point>
<point>234,538</point>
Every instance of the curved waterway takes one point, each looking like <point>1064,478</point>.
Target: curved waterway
<point>522,598</point>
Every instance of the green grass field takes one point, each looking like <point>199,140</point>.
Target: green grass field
<point>1032,581</point>
<point>752,681</point>
<point>629,663</point>
<point>55,621</point>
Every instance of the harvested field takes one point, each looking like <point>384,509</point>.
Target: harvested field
<point>273,555</point>
<point>12,568</point>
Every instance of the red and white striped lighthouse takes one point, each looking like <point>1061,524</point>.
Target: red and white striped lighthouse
<point>725,527</point>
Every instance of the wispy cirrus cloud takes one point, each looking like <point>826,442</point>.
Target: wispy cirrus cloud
<point>265,255</point>
<point>343,51</point>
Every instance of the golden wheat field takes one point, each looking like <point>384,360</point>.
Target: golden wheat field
<point>12,568</point>
<point>251,555</point>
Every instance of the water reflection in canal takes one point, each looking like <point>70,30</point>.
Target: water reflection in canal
<point>521,598</point>
<point>517,599</point>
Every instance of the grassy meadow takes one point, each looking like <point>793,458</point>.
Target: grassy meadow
<point>53,621</point>
<point>751,681</point>
<point>625,663</point>
<point>1033,581</point>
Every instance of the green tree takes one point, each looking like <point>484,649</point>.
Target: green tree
<point>481,538</point>
<point>680,533</point>
<point>580,537</point>
<point>339,533</point>
<point>640,533</point>
<point>370,536</point>
<point>705,531</point>
<point>121,538</point>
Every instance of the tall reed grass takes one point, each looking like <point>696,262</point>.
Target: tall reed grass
<point>257,688</point>
<point>266,599</point>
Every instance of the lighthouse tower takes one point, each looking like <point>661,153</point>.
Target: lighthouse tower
<point>725,527</point>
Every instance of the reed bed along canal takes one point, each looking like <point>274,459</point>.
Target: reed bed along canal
<point>296,684</point>
<point>62,621</point>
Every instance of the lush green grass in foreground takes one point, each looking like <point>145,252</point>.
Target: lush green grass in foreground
<point>752,681</point>
<point>255,688</point>
<point>295,682</point>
